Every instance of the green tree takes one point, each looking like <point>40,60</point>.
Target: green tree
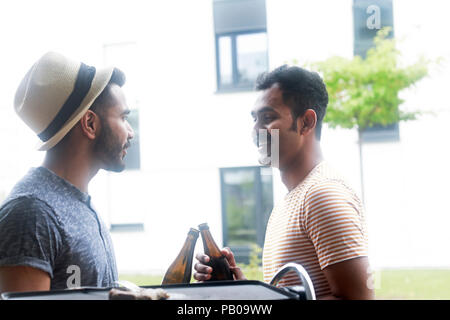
<point>365,92</point>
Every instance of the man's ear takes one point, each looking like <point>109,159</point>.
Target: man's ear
<point>307,123</point>
<point>90,125</point>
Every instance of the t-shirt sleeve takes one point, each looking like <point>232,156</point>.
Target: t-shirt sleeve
<point>29,234</point>
<point>334,223</point>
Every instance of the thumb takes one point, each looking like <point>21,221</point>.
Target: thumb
<point>230,256</point>
<point>238,274</point>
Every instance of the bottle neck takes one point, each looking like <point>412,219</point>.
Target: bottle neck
<point>209,244</point>
<point>190,241</point>
<point>189,244</point>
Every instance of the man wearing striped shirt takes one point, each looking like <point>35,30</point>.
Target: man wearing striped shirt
<point>320,222</point>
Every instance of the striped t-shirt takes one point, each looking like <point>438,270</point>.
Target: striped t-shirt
<point>319,223</point>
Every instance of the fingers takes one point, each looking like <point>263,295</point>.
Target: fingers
<point>202,271</point>
<point>238,274</point>
<point>229,255</point>
<point>201,268</point>
<point>201,276</point>
<point>203,258</point>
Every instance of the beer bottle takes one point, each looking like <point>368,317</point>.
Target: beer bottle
<point>181,268</point>
<point>218,262</point>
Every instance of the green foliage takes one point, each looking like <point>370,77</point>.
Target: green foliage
<point>255,260</point>
<point>252,270</point>
<point>365,92</point>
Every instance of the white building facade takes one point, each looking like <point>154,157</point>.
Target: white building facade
<point>189,128</point>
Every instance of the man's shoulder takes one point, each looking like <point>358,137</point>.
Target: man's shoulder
<point>321,177</point>
<point>24,203</point>
<point>328,189</point>
<point>27,208</point>
<point>36,189</point>
<point>326,177</point>
<point>324,185</point>
<point>30,184</point>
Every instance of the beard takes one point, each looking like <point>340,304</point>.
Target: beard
<point>109,149</point>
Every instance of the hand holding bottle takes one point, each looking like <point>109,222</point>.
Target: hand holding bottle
<point>203,271</point>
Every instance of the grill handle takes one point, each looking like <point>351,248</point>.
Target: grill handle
<point>301,273</point>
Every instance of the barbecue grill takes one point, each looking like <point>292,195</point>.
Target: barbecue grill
<point>215,290</point>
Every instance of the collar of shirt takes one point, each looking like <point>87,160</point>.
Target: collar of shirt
<point>69,188</point>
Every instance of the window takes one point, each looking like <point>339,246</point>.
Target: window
<point>241,43</point>
<point>381,133</point>
<point>247,201</point>
<point>133,157</point>
<point>126,216</point>
<point>368,17</point>
<point>123,56</point>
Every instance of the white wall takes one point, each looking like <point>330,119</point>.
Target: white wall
<point>407,186</point>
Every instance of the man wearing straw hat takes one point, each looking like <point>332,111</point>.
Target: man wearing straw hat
<point>51,236</point>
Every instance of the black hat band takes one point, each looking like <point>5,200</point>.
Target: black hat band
<point>81,88</point>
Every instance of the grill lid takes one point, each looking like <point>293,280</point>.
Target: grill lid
<point>220,290</point>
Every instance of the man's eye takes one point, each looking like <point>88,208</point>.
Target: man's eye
<point>268,119</point>
<point>265,119</point>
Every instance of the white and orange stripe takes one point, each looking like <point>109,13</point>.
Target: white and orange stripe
<point>319,223</point>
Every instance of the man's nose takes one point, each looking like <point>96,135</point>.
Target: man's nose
<point>257,126</point>
<point>130,131</point>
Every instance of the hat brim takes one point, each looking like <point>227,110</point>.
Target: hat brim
<point>101,79</point>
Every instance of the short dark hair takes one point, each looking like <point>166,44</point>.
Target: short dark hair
<point>302,90</point>
<point>98,106</point>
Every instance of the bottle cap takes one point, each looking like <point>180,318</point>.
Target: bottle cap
<point>203,226</point>
<point>194,232</point>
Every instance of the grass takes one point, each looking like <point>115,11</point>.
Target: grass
<point>405,284</point>
<point>142,279</point>
<point>418,284</point>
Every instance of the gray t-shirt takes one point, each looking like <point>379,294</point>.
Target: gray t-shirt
<point>49,224</point>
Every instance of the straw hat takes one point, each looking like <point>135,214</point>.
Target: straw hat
<point>56,93</point>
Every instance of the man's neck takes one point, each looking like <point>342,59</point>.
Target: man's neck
<point>300,167</point>
<point>75,169</point>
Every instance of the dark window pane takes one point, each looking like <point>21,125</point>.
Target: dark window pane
<point>241,43</point>
<point>237,16</point>
<point>364,32</point>
<point>266,199</point>
<point>379,133</point>
<point>251,56</point>
<point>240,206</point>
<point>225,62</point>
<point>247,201</point>
<point>126,227</point>
<point>133,157</point>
